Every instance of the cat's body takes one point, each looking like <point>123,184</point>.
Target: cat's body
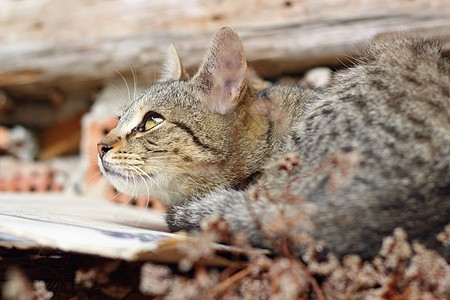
<point>373,147</point>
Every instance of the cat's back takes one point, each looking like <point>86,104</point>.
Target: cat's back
<point>389,116</point>
<point>409,76</point>
<point>396,98</point>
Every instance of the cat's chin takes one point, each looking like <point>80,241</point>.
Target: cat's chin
<point>136,186</point>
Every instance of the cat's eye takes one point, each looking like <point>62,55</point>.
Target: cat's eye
<point>150,120</point>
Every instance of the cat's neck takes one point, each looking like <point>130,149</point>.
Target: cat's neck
<point>284,106</point>
<point>263,125</point>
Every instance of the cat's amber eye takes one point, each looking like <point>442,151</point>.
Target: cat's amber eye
<point>151,119</point>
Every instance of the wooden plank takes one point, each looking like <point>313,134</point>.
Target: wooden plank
<point>94,39</point>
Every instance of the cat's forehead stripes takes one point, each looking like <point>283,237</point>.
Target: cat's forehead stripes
<point>158,98</point>
<point>130,118</point>
<point>127,122</point>
<point>133,114</point>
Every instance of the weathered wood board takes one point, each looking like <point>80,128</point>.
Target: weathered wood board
<point>44,41</point>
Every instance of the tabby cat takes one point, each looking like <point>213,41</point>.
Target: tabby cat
<point>367,154</point>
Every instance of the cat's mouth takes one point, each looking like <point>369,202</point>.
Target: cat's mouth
<point>114,171</point>
<point>108,171</point>
<point>134,183</point>
<point>111,171</point>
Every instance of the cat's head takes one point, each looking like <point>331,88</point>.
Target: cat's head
<point>186,136</point>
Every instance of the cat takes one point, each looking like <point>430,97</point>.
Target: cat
<point>361,157</point>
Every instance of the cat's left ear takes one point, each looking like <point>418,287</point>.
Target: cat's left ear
<point>173,68</point>
<point>221,76</point>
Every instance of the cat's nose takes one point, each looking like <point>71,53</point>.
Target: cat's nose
<point>103,148</point>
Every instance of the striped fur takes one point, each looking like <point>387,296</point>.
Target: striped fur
<point>373,147</point>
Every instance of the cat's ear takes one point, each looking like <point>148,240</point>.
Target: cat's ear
<point>173,68</point>
<point>221,76</point>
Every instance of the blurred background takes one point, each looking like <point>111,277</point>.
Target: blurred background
<point>66,66</point>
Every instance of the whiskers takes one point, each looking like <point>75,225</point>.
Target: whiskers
<point>143,175</point>
<point>133,194</point>
<point>133,73</point>
<point>95,176</point>
<point>98,186</point>
<point>131,93</point>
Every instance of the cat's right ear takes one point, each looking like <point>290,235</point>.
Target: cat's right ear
<point>221,77</point>
<point>173,68</point>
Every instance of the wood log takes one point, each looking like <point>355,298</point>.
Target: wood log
<point>61,42</point>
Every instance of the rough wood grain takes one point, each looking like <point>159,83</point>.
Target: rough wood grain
<point>57,41</point>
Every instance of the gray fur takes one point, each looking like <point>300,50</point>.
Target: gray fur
<point>373,149</point>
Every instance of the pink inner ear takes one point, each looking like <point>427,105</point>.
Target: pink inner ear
<point>224,95</point>
<point>224,69</point>
<point>228,84</point>
<point>219,100</point>
<point>232,60</point>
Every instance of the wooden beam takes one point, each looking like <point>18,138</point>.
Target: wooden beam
<point>46,42</point>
